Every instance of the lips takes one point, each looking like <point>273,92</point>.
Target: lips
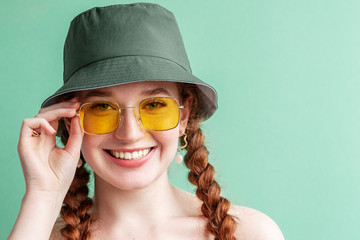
<point>127,155</point>
<point>131,158</point>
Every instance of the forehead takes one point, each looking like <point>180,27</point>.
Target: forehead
<point>135,90</point>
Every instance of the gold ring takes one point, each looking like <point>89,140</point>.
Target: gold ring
<point>35,133</point>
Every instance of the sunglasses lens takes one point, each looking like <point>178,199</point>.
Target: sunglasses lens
<point>159,114</point>
<point>99,117</point>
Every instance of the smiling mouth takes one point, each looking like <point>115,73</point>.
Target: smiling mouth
<point>129,155</point>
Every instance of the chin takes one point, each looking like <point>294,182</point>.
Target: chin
<point>130,180</point>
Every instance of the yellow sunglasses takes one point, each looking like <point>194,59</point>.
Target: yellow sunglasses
<point>155,114</point>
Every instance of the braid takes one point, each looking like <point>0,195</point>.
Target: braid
<point>215,208</point>
<point>76,204</point>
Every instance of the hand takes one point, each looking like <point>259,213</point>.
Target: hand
<point>48,168</point>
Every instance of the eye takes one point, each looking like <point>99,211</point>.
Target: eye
<point>154,104</point>
<point>102,106</point>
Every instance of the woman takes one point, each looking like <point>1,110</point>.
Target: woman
<point>128,98</point>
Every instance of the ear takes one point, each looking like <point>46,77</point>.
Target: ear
<point>185,113</point>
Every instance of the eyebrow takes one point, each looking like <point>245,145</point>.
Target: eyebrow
<point>95,93</point>
<point>155,91</point>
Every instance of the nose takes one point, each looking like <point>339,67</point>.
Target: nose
<point>129,130</point>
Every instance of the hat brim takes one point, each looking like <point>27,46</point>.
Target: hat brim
<point>128,69</point>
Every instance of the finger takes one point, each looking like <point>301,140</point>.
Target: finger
<point>73,103</point>
<point>73,145</point>
<point>56,114</point>
<point>38,124</point>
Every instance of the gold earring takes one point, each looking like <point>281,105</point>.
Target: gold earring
<point>179,158</point>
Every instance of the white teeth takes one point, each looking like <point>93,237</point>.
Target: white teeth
<point>146,151</point>
<point>127,155</point>
<point>130,155</point>
<point>134,155</point>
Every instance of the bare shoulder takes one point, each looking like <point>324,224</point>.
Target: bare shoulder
<point>254,225</point>
<point>56,234</point>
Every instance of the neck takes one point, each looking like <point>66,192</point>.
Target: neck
<point>144,211</point>
<point>157,201</point>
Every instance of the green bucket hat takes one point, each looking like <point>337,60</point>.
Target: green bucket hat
<point>126,43</point>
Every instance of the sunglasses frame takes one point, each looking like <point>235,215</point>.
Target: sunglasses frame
<point>138,115</point>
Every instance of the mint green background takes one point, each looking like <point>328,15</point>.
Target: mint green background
<point>286,138</point>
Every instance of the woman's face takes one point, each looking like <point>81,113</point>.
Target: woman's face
<point>106,153</point>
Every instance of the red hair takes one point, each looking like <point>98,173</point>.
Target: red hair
<point>76,205</point>
<point>215,207</point>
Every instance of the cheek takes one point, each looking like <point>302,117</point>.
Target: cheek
<point>168,143</point>
<point>89,148</point>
